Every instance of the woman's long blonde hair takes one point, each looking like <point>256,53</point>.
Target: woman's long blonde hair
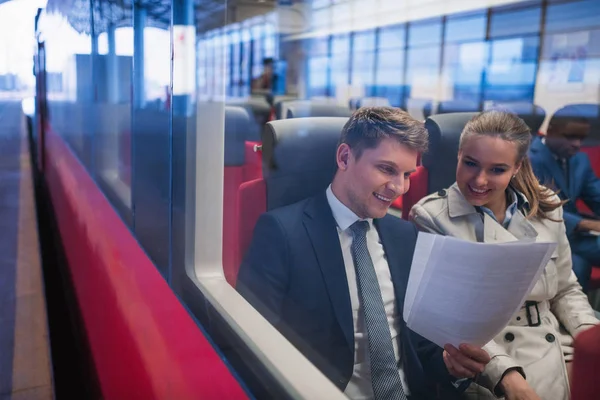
<point>510,127</point>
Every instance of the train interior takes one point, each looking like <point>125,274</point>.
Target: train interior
<point>163,129</point>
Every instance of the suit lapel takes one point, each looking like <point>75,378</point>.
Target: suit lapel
<point>321,229</point>
<point>399,258</point>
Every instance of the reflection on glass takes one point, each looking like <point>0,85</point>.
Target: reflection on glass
<point>112,130</point>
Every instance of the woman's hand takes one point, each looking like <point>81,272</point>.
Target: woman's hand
<point>515,387</point>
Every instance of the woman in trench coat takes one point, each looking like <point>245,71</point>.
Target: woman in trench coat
<point>496,198</point>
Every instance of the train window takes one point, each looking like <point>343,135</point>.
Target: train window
<point>151,136</point>
<point>113,136</point>
<point>464,65</point>
<point>71,98</point>
<point>422,72</point>
<point>340,61</point>
<point>517,22</point>
<point>363,61</point>
<point>392,37</point>
<point>425,33</point>
<point>389,76</point>
<point>317,76</point>
<point>465,28</point>
<point>577,15</point>
<point>169,114</point>
<point>511,73</point>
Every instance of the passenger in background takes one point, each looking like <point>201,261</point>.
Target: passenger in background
<point>330,272</point>
<point>497,198</point>
<point>558,163</point>
<point>266,81</point>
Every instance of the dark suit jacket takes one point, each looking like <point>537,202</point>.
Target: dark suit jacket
<point>294,274</point>
<point>583,183</point>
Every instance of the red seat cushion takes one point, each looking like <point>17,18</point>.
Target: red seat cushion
<point>232,179</point>
<point>252,202</point>
<point>417,190</point>
<point>595,279</point>
<point>586,366</point>
<point>397,203</point>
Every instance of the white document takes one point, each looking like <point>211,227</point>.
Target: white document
<point>467,292</point>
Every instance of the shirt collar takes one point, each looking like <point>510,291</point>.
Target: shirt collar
<point>344,217</point>
<point>518,201</point>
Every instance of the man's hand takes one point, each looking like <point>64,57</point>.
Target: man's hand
<point>515,387</point>
<point>586,225</point>
<point>466,361</point>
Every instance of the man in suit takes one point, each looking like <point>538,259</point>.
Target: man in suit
<point>330,272</point>
<point>558,163</point>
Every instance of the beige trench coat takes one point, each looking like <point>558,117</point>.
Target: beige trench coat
<point>541,351</point>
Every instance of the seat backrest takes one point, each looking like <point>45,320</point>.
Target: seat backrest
<point>457,106</point>
<point>299,157</point>
<point>237,126</point>
<point>238,129</point>
<point>441,159</point>
<point>532,114</point>
<point>315,109</point>
<point>586,363</point>
<point>259,109</point>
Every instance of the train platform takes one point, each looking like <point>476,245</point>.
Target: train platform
<point>25,358</point>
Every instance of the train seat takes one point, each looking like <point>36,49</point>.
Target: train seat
<point>317,109</point>
<point>258,108</point>
<point>438,169</point>
<point>532,114</point>
<point>238,126</point>
<point>457,106</point>
<point>586,363</point>
<point>298,161</point>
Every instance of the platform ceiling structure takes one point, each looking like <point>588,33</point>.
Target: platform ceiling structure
<point>208,13</point>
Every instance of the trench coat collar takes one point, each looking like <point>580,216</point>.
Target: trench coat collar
<point>488,230</point>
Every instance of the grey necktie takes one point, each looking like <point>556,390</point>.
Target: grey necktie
<point>385,377</point>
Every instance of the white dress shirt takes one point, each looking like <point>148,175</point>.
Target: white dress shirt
<point>359,387</point>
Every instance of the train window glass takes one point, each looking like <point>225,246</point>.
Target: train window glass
<point>246,62</point>
<point>340,62</point>
<point>112,111</point>
<point>392,37</point>
<point>71,93</point>
<point>318,66</point>
<point>363,59</point>
<point>319,46</point>
<point>317,76</point>
<point>389,76</point>
<point>257,49</point>
<point>202,70</point>
<point>518,22</point>
<point>466,28</point>
<point>425,33</point>
<point>422,72</point>
<point>462,74</point>
<point>570,61</point>
<point>510,76</point>
<point>151,136</point>
<point>577,15</point>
